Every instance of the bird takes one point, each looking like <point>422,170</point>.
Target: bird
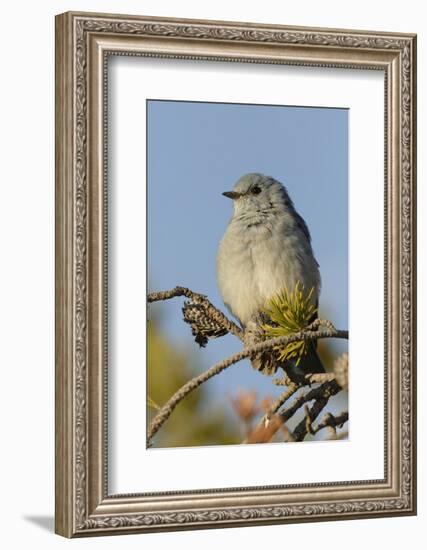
<point>266,248</point>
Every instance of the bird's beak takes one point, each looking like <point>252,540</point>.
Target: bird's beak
<point>231,194</point>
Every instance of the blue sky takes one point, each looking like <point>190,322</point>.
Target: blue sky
<point>198,150</point>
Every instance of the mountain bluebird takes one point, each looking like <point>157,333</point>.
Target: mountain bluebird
<point>266,247</point>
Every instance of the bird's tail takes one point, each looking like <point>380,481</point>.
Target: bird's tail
<point>308,364</point>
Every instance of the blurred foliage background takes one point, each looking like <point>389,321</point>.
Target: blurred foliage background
<point>195,421</point>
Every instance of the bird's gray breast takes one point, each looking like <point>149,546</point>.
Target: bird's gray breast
<point>256,259</point>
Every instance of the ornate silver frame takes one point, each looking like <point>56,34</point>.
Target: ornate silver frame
<point>83,505</point>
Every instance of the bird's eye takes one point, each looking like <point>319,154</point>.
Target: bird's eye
<point>256,190</point>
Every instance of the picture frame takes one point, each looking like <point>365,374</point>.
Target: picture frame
<point>84,506</point>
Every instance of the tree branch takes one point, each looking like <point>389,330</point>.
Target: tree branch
<point>320,377</point>
<point>214,313</point>
<point>321,395</point>
<point>317,394</point>
<point>332,421</point>
<point>307,334</point>
<point>253,437</point>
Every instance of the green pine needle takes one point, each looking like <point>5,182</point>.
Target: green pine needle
<point>151,403</point>
<point>290,312</point>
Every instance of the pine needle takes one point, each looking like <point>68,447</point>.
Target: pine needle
<point>290,312</point>
<point>151,403</point>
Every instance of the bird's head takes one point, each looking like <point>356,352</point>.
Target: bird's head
<point>258,194</point>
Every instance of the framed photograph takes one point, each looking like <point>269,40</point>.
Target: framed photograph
<point>235,274</point>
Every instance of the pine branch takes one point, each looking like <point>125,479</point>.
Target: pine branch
<point>321,396</point>
<point>307,334</point>
<point>200,299</point>
<point>331,421</point>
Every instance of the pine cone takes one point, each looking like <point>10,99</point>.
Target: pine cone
<point>202,326</point>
